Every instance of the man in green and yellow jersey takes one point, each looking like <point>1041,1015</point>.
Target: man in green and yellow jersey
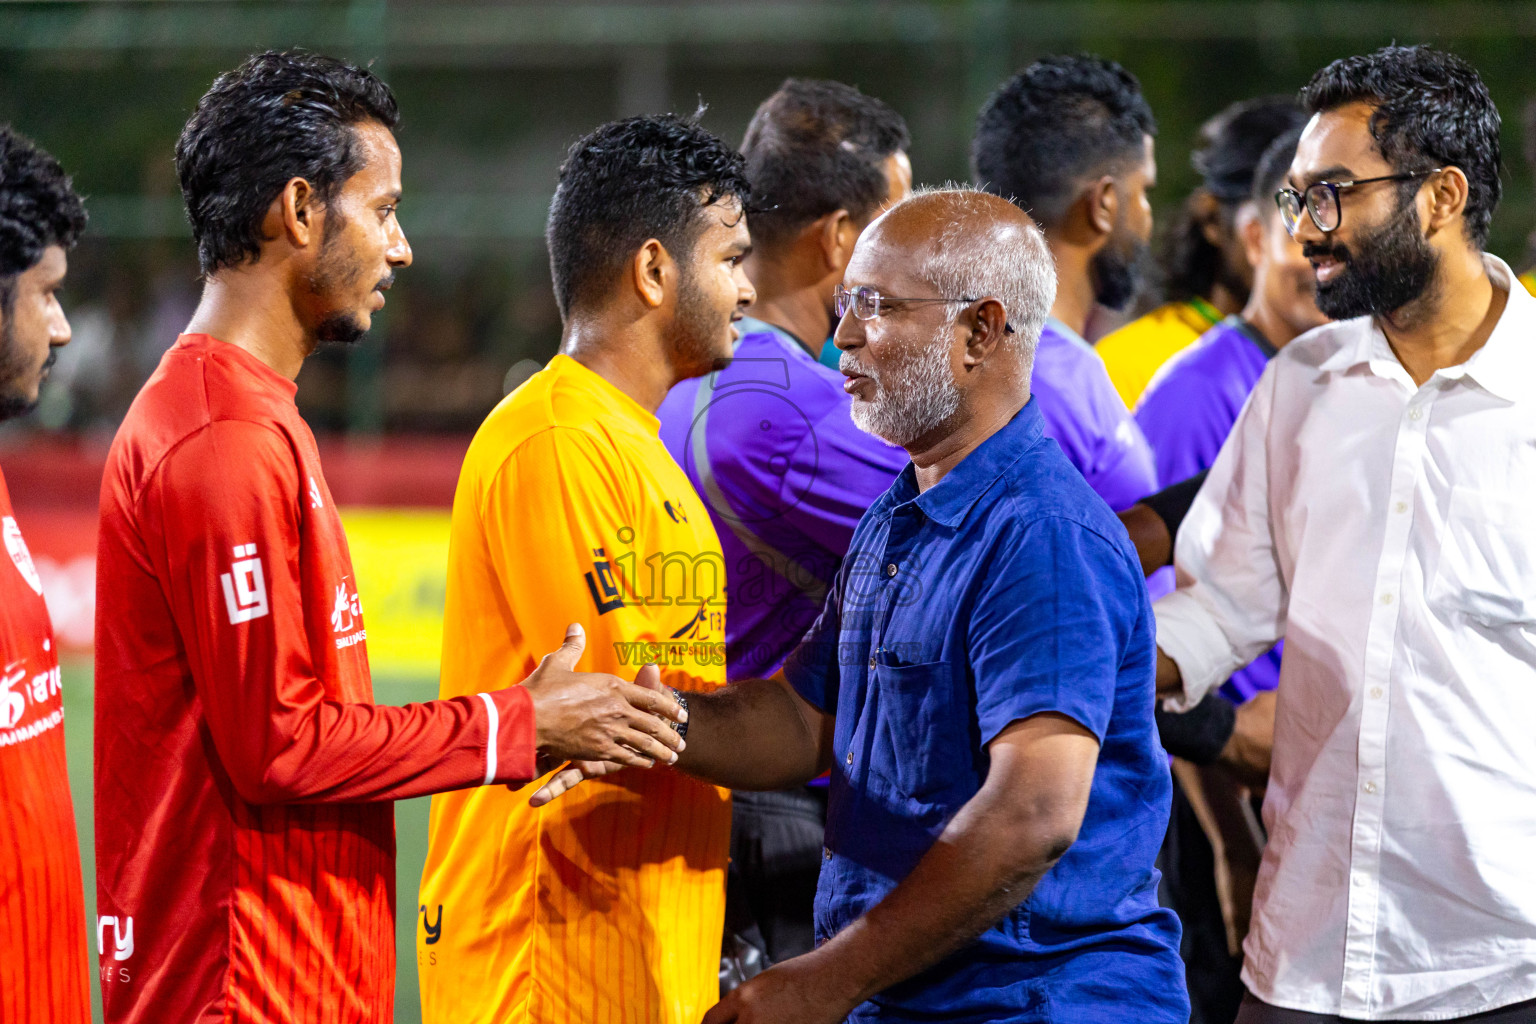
<point>1208,276</point>
<point>606,906</point>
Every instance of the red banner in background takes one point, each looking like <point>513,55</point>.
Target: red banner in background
<point>55,486</point>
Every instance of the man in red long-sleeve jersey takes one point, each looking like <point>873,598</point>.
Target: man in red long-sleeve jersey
<point>43,970</point>
<point>244,836</point>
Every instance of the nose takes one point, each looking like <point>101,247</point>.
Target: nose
<point>398,254</point>
<point>59,331</point>
<point>746,293</point>
<point>850,332</point>
<point>1308,232</point>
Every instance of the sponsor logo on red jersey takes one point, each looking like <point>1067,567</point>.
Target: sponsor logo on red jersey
<point>245,586</point>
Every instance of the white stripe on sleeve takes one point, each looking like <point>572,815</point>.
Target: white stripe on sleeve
<point>493,727</point>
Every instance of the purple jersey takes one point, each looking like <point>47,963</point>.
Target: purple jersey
<point>1088,420</point>
<point>771,448</point>
<point>1186,414</point>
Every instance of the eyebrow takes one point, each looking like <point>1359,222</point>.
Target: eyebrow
<point>1335,173</point>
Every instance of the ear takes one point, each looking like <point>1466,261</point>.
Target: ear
<point>1250,229</point>
<point>1103,205</point>
<point>295,215</point>
<point>1205,210</point>
<point>988,323</point>
<point>1447,193</point>
<point>652,272</point>
<point>837,234</point>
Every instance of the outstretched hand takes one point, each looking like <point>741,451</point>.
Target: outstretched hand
<point>592,717</point>
<point>801,990</point>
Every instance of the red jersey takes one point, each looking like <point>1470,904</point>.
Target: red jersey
<point>245,844</point>
<point>43,971</point>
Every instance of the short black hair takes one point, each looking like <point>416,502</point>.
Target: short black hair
<point>814,147</point>
<point>1055,125</point>
<point>1431,109</point>
<point>1226,154</point>
<point>1232,142</point>
<point>629,181</point>
<point>278,116</point>
<point>1269,177</point>
<point>38,205</point>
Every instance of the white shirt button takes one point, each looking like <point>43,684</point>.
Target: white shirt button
<point>1386,598</point>
<point>1416,413</point>
<point>1369,787</point>
<point>1376,692</point>
<point>1400,507</point>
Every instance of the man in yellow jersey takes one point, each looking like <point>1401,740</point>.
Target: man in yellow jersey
<point>1208,275</point>
<point>608,906</point>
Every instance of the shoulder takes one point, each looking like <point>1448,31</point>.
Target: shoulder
<point>1309,351</point>
<point>1045,492</point>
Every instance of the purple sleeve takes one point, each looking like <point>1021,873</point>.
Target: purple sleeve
<point>1185,422</point>
<point>1095,431</point>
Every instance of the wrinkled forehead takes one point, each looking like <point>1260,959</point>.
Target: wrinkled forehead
<point>1337,145</point>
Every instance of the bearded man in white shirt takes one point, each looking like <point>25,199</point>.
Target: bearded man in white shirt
<point>1373,507</point>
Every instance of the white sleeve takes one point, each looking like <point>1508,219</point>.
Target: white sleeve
<point>1230,604</point>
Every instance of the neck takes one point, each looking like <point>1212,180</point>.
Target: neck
<point>1450,321</point>
<point>629,357</point>
<point>1074,286</point>
<point>1226,300</point>
<point>796,307</point>
<point>947,446</point>
<point>251,311</point>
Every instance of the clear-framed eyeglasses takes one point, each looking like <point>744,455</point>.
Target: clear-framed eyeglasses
<point>1321,201</point>
<point>867,303</point>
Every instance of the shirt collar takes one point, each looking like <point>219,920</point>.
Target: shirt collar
<point>1250,332</point>
<point>1504,367</point>
<point>949,500</point>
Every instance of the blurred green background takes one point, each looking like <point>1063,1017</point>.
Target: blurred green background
<point>492,94</point>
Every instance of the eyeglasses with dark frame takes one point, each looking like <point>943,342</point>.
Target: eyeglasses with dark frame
<point>866,302</point>
<point>1321,200</point>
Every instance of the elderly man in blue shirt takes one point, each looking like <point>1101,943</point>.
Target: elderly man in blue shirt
<point>979,682</point>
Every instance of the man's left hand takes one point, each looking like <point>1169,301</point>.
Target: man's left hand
<point>798,991</point>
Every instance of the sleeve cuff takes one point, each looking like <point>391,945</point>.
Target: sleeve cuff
<point>510,751</point>
<point>1188,634</point>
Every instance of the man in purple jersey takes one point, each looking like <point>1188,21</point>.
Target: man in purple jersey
<point>1186,413</point>
<point>1190,407</point>
<point>1069,139</point>
<point>769,444</point>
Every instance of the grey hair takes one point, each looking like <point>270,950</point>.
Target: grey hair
<point>1014,266</point>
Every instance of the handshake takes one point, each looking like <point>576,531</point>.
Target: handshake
<point>595,723</point>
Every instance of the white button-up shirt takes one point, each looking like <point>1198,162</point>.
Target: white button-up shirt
<point>1388,532</point>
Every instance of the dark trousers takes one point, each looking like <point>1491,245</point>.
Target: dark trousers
<point>1255,1011</point>
<point>1188,889</point>
<point>775,861</point>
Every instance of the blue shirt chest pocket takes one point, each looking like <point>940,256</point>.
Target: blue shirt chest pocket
<point>923,725</point>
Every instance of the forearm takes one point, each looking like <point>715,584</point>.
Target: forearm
<point>987,862</point>
<point>348,753</point>
<point>752,735</point>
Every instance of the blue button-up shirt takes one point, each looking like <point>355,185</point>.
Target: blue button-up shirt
<point>1007,590</point>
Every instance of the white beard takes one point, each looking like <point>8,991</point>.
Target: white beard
<point>916,395</point>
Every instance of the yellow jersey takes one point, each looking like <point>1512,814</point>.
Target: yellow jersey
<point>606,905</point>
<point>1135,352</point>
<point>1529,280</point>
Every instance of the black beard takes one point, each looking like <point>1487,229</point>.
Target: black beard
<point>1388,268</point>
<point>12,404</point>
<point>341,329</point>
<point>696,331</point>
<point>1117,275</point>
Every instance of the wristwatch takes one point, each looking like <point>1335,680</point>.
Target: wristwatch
<point>681,728</point>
